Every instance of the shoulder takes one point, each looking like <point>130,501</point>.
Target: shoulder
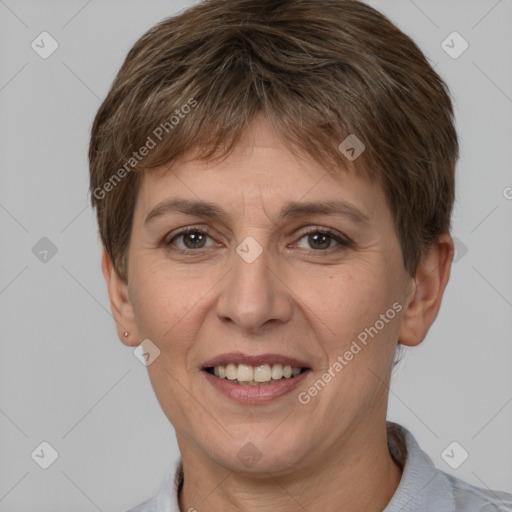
<point>424,487</point>
<point>468,497</point>
<point>167,498</point>
<point>147,506</point>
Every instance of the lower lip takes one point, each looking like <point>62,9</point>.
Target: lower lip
<point>255,394</point>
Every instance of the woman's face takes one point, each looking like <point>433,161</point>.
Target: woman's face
<point>297,269</point>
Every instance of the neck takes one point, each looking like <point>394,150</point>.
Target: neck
<point>360,475</point>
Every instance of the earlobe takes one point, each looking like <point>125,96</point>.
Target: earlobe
<point>430,281</point>
<point>120,303</point>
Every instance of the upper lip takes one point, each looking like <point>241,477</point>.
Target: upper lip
<point>254,360</point>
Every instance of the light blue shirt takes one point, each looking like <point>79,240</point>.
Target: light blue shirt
<point>423,487</point>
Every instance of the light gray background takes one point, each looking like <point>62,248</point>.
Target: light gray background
<point>64,376</point>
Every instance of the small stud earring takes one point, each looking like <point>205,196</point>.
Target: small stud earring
<point>126,334</point>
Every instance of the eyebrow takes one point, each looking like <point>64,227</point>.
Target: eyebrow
<point>289,210</point>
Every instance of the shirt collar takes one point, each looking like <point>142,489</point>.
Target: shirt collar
<point>422,486</point>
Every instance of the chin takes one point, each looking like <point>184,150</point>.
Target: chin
<point>260,453</point>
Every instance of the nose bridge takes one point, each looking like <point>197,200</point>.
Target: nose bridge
<point>252,295</point>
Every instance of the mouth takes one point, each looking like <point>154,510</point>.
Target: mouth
<point>261,375</point>
<point>255,379</point>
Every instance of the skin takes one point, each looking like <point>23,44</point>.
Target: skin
<point>295,299</point>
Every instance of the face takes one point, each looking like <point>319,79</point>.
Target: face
<point>269,281</point>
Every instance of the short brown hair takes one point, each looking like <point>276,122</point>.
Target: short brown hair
<point>319,70</point>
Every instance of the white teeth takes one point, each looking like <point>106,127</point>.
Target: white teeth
<point>262,373</point>
<point>277,371</point>
<point>247,374</point>
<point>231,371</point>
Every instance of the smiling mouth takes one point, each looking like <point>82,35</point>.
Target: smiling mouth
<point>248,375</point>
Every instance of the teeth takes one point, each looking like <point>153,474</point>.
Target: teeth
<point>262,373</point>
<point>277,371</point>
<point>231,372</point>
<point>245,373</point>
<point>253,375</point>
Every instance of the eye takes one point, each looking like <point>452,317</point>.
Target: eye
<point>322,239</point>
<point>192,239</point>
<point>318,239</point>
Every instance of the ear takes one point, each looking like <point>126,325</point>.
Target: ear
<point>120,303</point>
<point>427,291</point>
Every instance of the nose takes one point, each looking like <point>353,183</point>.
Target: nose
<point>253,295</point>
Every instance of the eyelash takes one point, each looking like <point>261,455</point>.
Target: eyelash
<point>343,243</point>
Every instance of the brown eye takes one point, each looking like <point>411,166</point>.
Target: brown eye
<point>322,240</point>
<point>194,239</point>
<point>191,240</point>
<point>319,241</point>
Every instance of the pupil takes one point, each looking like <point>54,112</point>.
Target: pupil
<point>314,239</point>
<point>196,239</point>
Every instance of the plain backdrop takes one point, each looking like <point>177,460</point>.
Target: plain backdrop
<point>66,379</point>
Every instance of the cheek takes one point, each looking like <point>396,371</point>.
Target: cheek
<point>349,309</point>
<point>347,299</point>
<point>162,306</point>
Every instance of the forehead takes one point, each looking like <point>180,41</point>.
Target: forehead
<point>262,172</point>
